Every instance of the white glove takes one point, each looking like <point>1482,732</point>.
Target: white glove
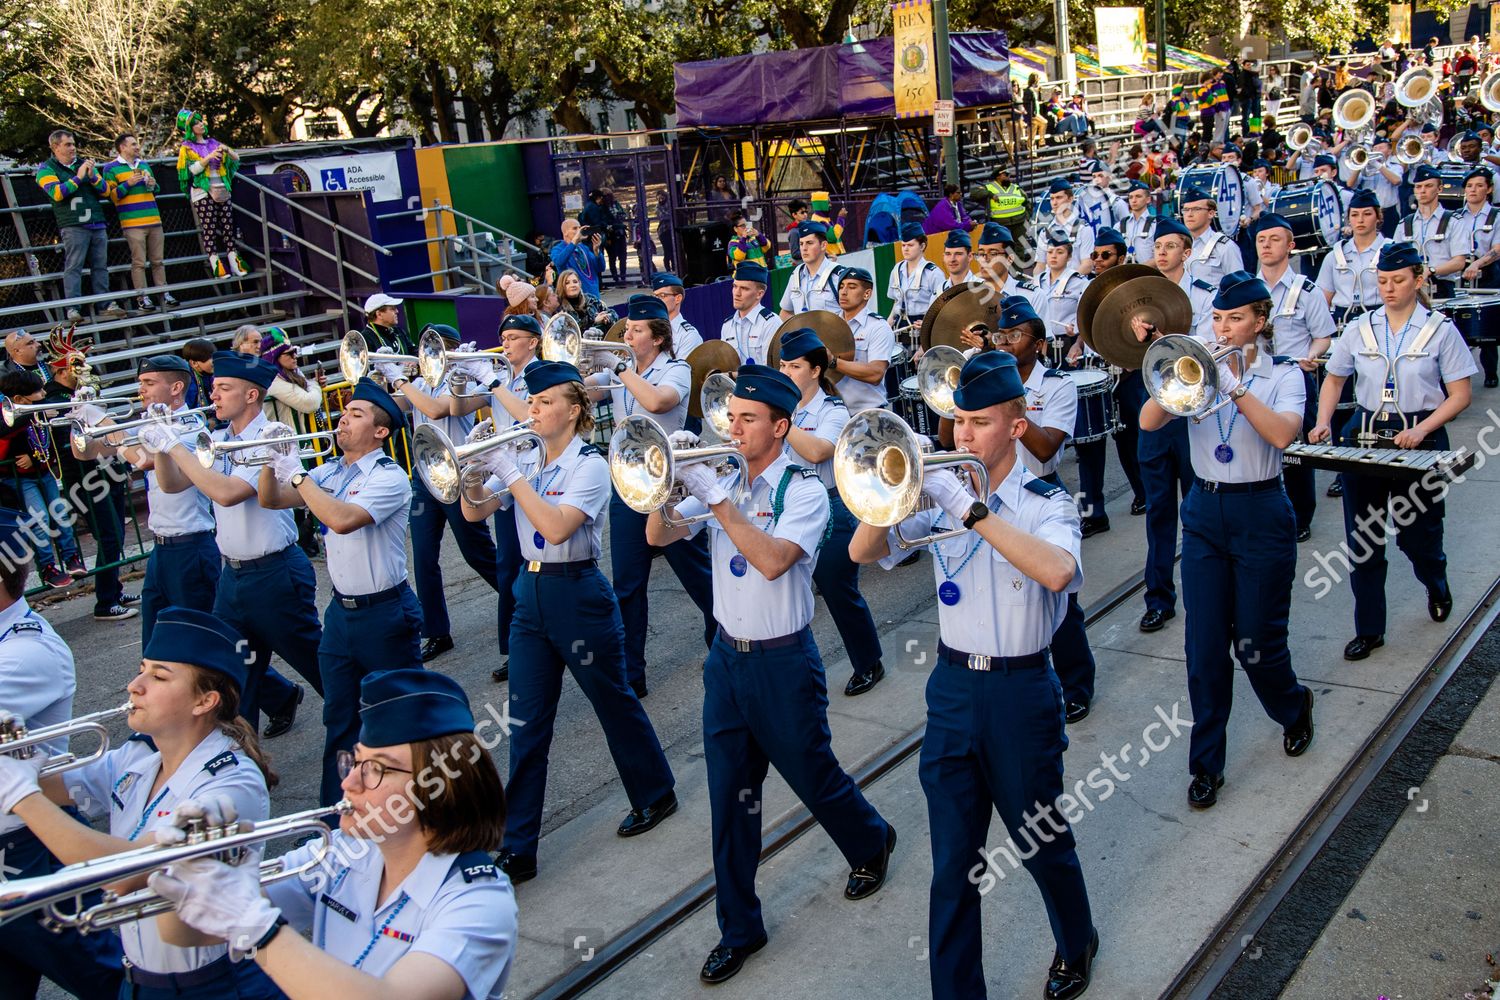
<point>220,900</point>
<point>213,810</point>
<point>700,481</point>
<point>390,371</point>
<point>948,493</point>
<point>468,347</point>
<point>480,372</point>
<point>157,439</point>
<point>20,778</point>
<point>1228,380</point>
<point>604,361</point>
<point>682,439</point>
<point>501,463</point>
<point>484,429</point>
<point>89,413</point>
<point>285,467</point>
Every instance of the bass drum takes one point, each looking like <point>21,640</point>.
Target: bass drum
<point>1222,182</point>
<point>1315,211</point>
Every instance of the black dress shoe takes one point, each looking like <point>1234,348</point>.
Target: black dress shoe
<point>640,689</point>
<point>1204,790</point>
<point>1067,980</point>
<point>1439,602</point>
<point>725,960</point>
<point>517,868</point>
<point>915,557</point>
<point>1155,619</point>
<point>1304,534</point>
<point>1299,736</point>
<point>282,721</point>
<point>1362,646</point>
<point>1337,487</point>
<point>1094,526</point>
<point>1075,711</point>
<point>1491,381</point>
<point>1137,508</point>
<point>436,646</point>
<point>868,878</point>
<point>860,683</point>
<point>641,820</point>
<point>501,673</point>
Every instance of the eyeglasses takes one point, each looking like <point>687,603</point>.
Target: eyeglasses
<point>517,336</point>
<point>371,772</point>
<point>1010,336</point>
<point>988,254</point>
<point>1103,255</point>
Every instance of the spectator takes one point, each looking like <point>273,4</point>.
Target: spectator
<point>575,300</point>
<point>382,330</point>
<point>21,354</point>
<point>1147,120</point>
<point>1053,111</point>
<point>1429,49</point>
<point>721,191</point>
<point>748,244</point>
<point>547,303</point>
<point>29,446</point>
<point>247,338</point>
<point>519,295</point>
<point>949,213</point>
<point>1232,86</point>
<point>1031,102</point>
<point>199,354</point>
<point>206,169</point>
<point>569,253</point>
<point>664,229</point>
<point>75,189</point>
<point>1249,91</point>
<point>132,187</point>
<point>615,236</point>
<point>1075,119</point>
<point>536,254</point>
<point>822,211</point>
<point>799,212</point>
<point>1275,93</point>
<point>1329,90</point>
<point>1464,68</point>
<point>1307,103</point>
<point>1007,205</point>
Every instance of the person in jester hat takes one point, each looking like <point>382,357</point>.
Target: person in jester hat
<point>822,211</point>
<point>206,169</point>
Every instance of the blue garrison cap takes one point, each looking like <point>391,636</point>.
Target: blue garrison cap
<point>857,273</point>
<point>799,343</point>
<point>1268,221</point>
<point>1059,184</point>
<point>522,322</point>
<point>186,635</point>
<point>406,706</point>
<point>1324,160</point>
<point>988,378</point>
<point>1193,194</point>
<point>1016,310</point>
<point>751,271</point>
<point>912,231</point>
<point>1230,147</point>
<point>646,307</point>
<point>1170,227</point>
<point>1261,162</point>
<point>812,229</point>
<point>1136,186</point>
<point>545,374</point>
<point>761,384</point>
<point>1093,167</point>
<point>666,279</point>
<point>1484,172</point>
<point>1107,237</point>
<point>165,363</point>
<point>1364,198</point>
<point>995,233</point>
<point>958,238</point>
<point>1395,256</point>
<point>1429,128</point>
<point>232,364</point>
<point>1426,172</point>
<point>448,333</point>
<point>371,393</point>
<point>1239,288</point>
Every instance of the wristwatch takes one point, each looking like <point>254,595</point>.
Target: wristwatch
<point>1239,391</point>
<point>621,367</point>
<point>978,512</point>
<point>297,478</point>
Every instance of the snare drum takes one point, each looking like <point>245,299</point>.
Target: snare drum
<point>1220,181</point>
<point>1096,405</point>
<point>1313,208</point>
<point>1476,317</point>
<point>911,408</point>
<point>1451,184</point>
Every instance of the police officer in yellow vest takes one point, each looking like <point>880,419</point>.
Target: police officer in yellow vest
<point>1007,200</point>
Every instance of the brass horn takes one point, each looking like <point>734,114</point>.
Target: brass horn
<point>82,434</point>
<point>441,464</point>
<point>1417,86</point>
<point>1182,375</point>
<point>279,440</point>
<point>937,378</point>
<point>563,340</point>
<point>434,359</point>
<point>1489,91</point>
<point>17,741</point>
<point>1411,150</point>
<point>643,467</point>
<point>1354,110</point>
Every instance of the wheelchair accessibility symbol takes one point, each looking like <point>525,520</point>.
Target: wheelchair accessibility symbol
<point>334,180</point>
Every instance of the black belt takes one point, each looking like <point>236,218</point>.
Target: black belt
<point>269,559</point>
<point>1209,486</point>
<point>989,664</point>
<point>219,968</point>
<point>576,568</point>
<point>187,539</point>
<point>368,600</point>
<point>760,645</point>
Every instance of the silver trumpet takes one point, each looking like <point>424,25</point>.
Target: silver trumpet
<point>433,360</point>
<point>355,357</point>
<point>643,467</point>
<point>279,440</point>
<point>231,843</point>
<point>563,340</point>
<point>937,378</point>
<point>82,434</point>
<point>713,400</point>
<point>879,464</point>
<point>10,412</point>
<point>18,741</point>
<point>1182,375</point>
<point>443,465</point>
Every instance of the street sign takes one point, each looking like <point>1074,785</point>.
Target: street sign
<point>942,118</point>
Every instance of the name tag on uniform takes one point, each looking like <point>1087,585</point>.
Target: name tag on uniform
<point>338,908</point>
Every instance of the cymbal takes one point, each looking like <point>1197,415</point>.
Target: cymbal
<point>830,327</point>
<point>973,304</point>
<point>616,332</point>
<point>705,359</point>
<point>930,317</point>
<point>1119,321</point>
<point>1101,285</point>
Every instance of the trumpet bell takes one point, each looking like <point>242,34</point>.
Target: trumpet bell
<point>1411,150</point>
<point>937,378</point>
<point>1416,86</point>
<point>432,358</point>
<point>1489,92</point>
<point>714,402</point>
<point>354,356</point>
<point>877,466</point>
<point>435,460</point>
<point>1355,158</point>
<point>1298,136</point>
<point>562,339</point>
<point>1354,109</point>
<point>1182,376</point>
<point>641,464</point>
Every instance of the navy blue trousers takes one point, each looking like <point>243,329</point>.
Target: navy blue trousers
<point>995,741</point>
<point>86,965</point>
<point>1072,658</point>
<point>180,572</point>
<point>1366,500</point>
<point>235,981</point>
<point>1301,484</point>
<point>428,517</point>
<point>573,622</point>
<point>274,606</point>
<point>1166,475</point>
<point>771,708</point>
<point>1239,561</point>
<point>630,557</point>
<point>508,563</point>
<point>837,577</point>
<point>385,635</point>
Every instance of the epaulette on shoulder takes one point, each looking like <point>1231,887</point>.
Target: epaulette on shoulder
<point>385,460</point>
<point>1204,285</point>
<point>1044,489</point>
<point>225,759</point>
<point>1283,359</point>
<point>142,738</point>
<point>1027,284</point>
<point>1054,373</point>
<point>475,865</point>
<point>590,449</point>
<point>836,401</point>
<point>766,312</point>
<point>806,472</point>
<point>1308,285</point>
<point>25,626</point>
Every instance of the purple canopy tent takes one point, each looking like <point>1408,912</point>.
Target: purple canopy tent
<point>832,81</point>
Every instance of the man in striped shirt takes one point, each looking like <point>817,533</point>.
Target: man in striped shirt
<point>74,188</point>
<point>132,188</point>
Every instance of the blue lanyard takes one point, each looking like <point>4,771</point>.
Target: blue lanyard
<point>381,930</point>
<point>347,481</point>
<point>1400,339</point>
<point>937,551</point>
<point>536,484</point>
<point>630,396</point>
<point>146,813</point>
<point>1224,433</point>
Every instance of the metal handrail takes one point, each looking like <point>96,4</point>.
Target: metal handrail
<point>336,227</point>
<point>438,206</point>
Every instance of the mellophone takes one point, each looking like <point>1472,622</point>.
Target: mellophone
<point>1392,463</point>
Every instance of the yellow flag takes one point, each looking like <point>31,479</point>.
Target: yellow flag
<point>915,80</point>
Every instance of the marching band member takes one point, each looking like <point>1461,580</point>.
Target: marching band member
<point>958,254</point>
<point>995,733</point>
<point>1096,202</point>
<point>266,588</point>
<point>765,701</point>
<point>566,616</point>
<point>1139,226</point>
<point>1383,177</point>
<point>1239,542</point>
<point>1169,255</point>
<point>813,284</point>
<point>820,415</point>
<point>1067,216</point>
<point>656,382</point>
<point>1062,285</point>
<point>1427,225</point>
<point>1214,254</point>
<point>862,379</point>
<point>1326,168</point>
<point>191,743</point>
<point>424,915</point>
<point>996,267</point>
<point>915,280</point>
<point>1347,274</point>
<point>752,325</point>
<point>37,683</point>
<point>1304,329</point>
<point>685,336</point>
<point>429,515</point>
<point>1475,238</point>
<point>1414,371</point>
<point>1260,172</point>
<point>373,621</point>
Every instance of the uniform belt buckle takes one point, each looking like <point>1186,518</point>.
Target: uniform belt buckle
<point>742,645</point>
<point>979,661</point>
<point>534,566</point>
<point>349,602</point>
